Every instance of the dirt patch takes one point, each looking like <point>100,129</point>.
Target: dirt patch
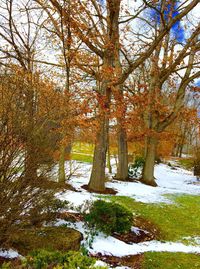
<point>144,231</point>
<point>106,191</point>
<point>132,261</point>
<point>132,237</point>
<point>148,226</point>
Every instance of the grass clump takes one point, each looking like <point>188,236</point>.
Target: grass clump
<point>160,260</point>
<point>109,217</point>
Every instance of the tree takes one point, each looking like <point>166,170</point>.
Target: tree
<point>99,30</point>
<point>164,74</point>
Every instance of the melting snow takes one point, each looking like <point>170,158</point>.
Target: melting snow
<point>170,181</point>
<point>9,254</point>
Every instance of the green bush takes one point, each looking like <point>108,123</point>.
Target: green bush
<point>109,217</point>
<point>134,169</point>
<point>43,259</point>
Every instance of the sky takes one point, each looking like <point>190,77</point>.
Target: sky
<point>177,31</point>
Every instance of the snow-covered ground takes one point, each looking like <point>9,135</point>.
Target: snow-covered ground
<point>169,180</point>
<point>108,245</point>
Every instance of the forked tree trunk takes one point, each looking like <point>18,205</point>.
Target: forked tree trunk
<point>148,170</point>
<point>122,168</point>
<point>97,178</point>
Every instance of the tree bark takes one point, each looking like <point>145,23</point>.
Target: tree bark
<point>109,158</point>
<point>122,168</point>
<point>181,151</point>
<point>61,169</point>
<point>148,170</point>
<point>97,178</point>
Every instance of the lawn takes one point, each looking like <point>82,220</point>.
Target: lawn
<point>82,157</point>
<point>82,147</point>
<point>165,260</point>
<point>175,221</point>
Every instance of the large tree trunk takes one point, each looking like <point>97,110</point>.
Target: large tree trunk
<point>97,178</point>
<point>148,170</point>
<point>122,168</point>
<point>111,52</point>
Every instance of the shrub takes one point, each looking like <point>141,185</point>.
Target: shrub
<point>134,170</point>
<point>27,145</point>
<point>59,238</point>
<point>43,259</point>
<point>109,217</point>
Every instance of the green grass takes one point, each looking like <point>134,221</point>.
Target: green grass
<point>164,260</point>
<point>81,157</point>
<point>82,152</point>
<point>174,221</point>
<point>186,163</point>
<point>81,147</point>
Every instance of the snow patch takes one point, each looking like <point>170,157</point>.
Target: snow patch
<point>9,254</point>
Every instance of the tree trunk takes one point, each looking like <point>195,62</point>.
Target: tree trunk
<point>108,158</point>
<point>180,151</point>
<point>61,169</point>
<point>145,146</point>
<point>148,170</point>
<point>122,168</point>
<point>97,178</point>
<point>177,150</point>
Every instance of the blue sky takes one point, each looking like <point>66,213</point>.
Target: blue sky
<point>197,83</point>
<point>177,30</point>
<point>101,1</point>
